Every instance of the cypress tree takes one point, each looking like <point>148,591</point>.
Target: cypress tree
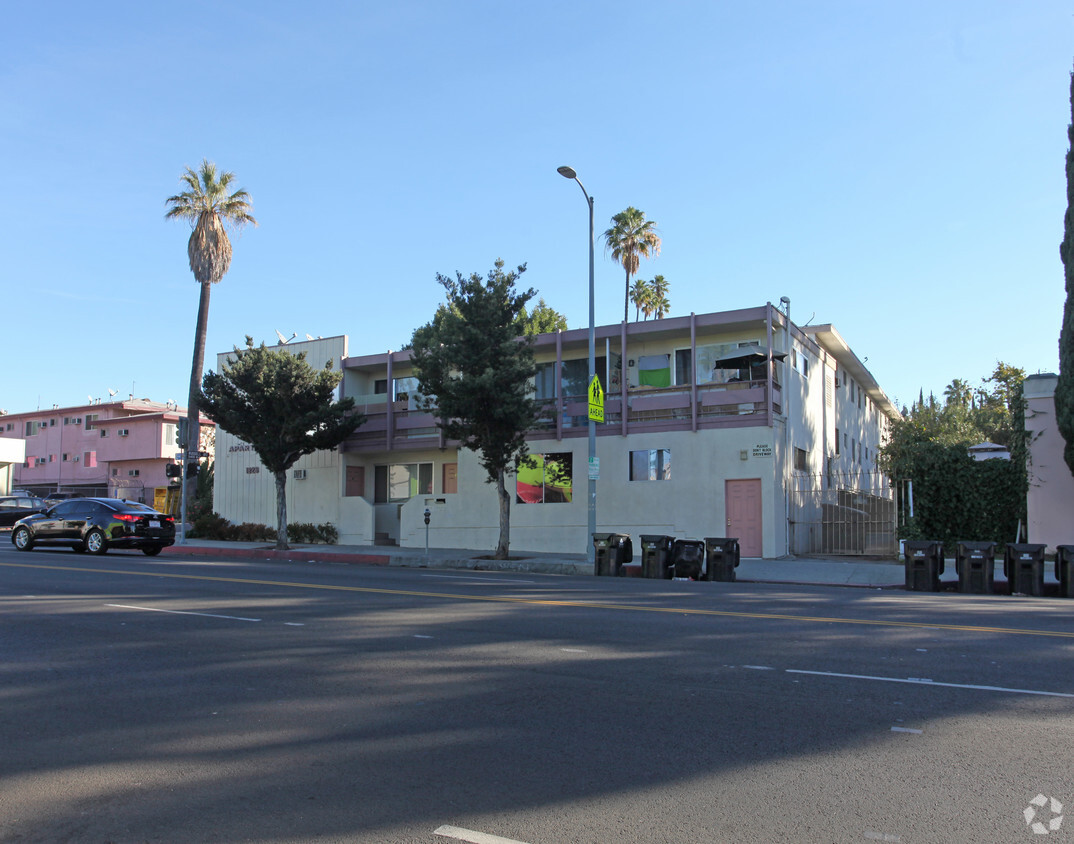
<point>1064,391</point>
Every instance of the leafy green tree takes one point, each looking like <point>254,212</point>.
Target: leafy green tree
<point>479,372</point>
<point>955,497</point>
<point>282,407</point>
<point>541,320</point>
<point>211,207</point>
<point>631,238</point>
<point>1064,390</point>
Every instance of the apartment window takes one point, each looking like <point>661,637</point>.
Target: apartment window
<point>32,427</point>
<point>859,398</point>
<point>801,460</point>
<point>652,464</point>
<point>838,450</point>
<point>380,387</point>
<point>401,481</point>
<point>169,434</point>
<point>544,382</point>
<point>133,473</point>
<point>89,459</point>
<point>104,432</point>
<point>52,423</point>
<point>66,457</point>
<point>90,419</point>
<point>546,479</point>
<point>52,458</point>
<point>115,472</point>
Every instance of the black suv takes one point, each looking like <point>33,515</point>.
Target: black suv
<point>95,525</point>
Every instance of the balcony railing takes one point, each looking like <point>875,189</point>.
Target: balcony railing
<point>736,404</point>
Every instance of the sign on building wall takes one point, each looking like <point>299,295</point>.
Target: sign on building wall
<point>762,450</point>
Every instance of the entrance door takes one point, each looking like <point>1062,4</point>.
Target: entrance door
<point>744,515</point>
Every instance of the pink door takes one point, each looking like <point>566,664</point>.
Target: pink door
<point>744,515</point>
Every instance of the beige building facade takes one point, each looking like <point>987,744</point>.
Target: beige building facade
<point>712,421</point>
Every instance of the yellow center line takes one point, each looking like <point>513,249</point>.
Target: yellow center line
<point>545,602</point>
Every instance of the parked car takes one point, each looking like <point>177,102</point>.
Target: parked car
<point>95,525</point>
<point>15,507</point>
<point>57,497</point>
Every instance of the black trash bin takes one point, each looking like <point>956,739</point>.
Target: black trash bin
<point>1023,563</point>
<point>610,551</point>
<point>655,554</point>
<point>924,565</point>
<point>721,558</point>
<point>1064,570</point>
<point>975,563</point>
<point>687,558</point>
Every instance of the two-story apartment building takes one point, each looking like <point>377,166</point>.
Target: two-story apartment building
<point>736,423</point>
<point>118,449</point>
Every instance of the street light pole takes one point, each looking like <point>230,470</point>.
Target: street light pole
<point>569,173</point>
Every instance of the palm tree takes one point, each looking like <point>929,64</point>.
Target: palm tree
<point>630,239</point>
<point>210,208</point>
<point>958,393</point>
<point>639,296</point>
<point>659,288</point>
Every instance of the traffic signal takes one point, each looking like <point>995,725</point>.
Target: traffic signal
<point>192,470</point>
<point>173,470</point>
<point>180,431</point>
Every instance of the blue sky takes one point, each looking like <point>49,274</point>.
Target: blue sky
<point>895,168</point>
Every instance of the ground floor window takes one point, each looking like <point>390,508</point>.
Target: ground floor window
<point>401,481</point>
<point>546,479</point>
<point>652,464</point>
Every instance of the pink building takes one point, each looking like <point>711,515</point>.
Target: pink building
<point>119,449</point>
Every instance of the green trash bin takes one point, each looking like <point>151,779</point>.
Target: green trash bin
<point>924,565</point>
<point>721,558</point>
<point>1023,563</point>
<point>1064,570</point>
<point>975,563</point>
<point>610,552</point>
<point>655,554</point>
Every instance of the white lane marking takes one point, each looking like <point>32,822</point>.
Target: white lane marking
<point>460,834</point>
<point>181,612</point>
<point>294,624</point>
<point>759,667</point>
<point>905,730</point>
<point>917,681</point>
<point>572,650</point>
<point>420,636</point>
<point>478,579</point>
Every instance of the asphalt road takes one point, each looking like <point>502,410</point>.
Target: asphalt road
<point>172,700</point>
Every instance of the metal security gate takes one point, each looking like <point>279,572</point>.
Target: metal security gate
<point>843,515</point>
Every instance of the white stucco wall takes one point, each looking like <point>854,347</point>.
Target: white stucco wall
<point>12,453</point>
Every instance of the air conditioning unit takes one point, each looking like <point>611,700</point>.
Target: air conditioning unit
<point>78,457</point>
<point>124,432</point>
<point>300,474</point>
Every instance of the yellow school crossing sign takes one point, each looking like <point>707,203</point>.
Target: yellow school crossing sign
<point>596,400</point>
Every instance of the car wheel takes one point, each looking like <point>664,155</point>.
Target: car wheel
<point>21,539</point>
<point>152,550</point>
<point>95,542</point>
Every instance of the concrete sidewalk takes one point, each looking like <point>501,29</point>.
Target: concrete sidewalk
<point>801,570</point>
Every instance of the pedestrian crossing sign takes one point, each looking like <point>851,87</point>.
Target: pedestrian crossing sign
<point>596,400</point>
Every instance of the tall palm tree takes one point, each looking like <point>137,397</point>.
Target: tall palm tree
<point>639,296</point>
<point>210,206</point>
<point>630,239</point>
<point>659,288</point>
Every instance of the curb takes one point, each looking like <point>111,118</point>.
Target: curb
<point>293,555</point>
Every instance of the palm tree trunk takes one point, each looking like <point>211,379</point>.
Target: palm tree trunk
<point>281,511</point>
<point>626,299</point>
<point>505,518</point>
<point>193,436</point>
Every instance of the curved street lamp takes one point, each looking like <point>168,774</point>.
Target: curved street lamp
<point>569,173</point>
